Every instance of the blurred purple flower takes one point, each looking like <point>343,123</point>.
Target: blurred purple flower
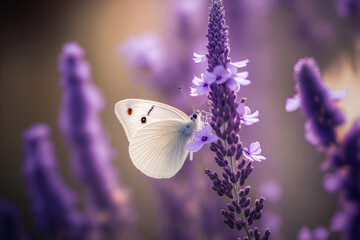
<point>11,224</point>
<point>319,233</point>
<point>201,137</point>
<point>253,153</point>
<point>271,190</point>
<point>346,8</point>
<point>145,52</point>
<point>322,115</point>
<point>247,118</point>
<point>177,205</point>
<point>201,88</point>
<point>345,163</point>
<point>108,204</point>
<point>53,202</point>
<point>226,124</point>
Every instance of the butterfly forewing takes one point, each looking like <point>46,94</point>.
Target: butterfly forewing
<point>158,150</point>
<point>137,113</point>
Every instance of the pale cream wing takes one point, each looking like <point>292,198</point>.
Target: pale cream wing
<point>158,149</point>
<point>134,114</point>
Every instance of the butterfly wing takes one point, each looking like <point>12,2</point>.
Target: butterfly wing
<point>134,114</point>
<point>158,149</point>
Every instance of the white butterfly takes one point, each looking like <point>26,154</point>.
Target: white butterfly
<point>157,134</point>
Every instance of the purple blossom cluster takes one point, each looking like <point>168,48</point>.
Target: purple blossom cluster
<point>108,213</point>
<point>53,201</point>
<point>317,103</point>
<point>107,201</point>
<point>322,119</point>
<point>222,82</point>
<point>345,180</point>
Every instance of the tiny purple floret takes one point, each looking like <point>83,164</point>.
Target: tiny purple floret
<point>199,58</point>
<point>201,137</point>
<point>202,87</point>
<point>246,117</point>
<point>253,153</point>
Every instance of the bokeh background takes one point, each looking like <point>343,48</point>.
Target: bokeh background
<point>273,34</point>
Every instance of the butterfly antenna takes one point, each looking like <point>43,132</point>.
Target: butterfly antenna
<point>187,100</point>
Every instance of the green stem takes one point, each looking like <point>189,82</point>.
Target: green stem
<point>236,189</point>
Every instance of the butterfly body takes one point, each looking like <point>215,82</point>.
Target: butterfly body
<point>157,135</point>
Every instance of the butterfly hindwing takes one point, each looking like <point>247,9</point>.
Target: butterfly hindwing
<point>158,150</point>
<point>136,113</point>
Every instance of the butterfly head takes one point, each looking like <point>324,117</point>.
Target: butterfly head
<point>196,116</point>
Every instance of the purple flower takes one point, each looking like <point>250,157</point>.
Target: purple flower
<point>201,88</point>
<point>271,190</point>
<point>253,153</point>
<point>346,8</point>
<point>240,64</point>
<point>91,155</point>
<point>236,79</point>
<point>319,233</point>
<point>199,58</point>
<point>144,52</point>
<point>226,123</point>
<point>317,104</point>
<point>218,76</point>
<point>294,103</point>
<point>11,224</point>
<point>201,137</point>
<point>246,116</point>
<point>53,202</point>
<point>345,163</point>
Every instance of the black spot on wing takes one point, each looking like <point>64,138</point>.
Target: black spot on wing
<point>150,110</point>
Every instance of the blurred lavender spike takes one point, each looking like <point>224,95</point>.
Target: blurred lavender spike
<point>347,8</point>
<point>11,225</point>
<point>177,206</point>
<point>53,202</point>
<point>317,104</point>
<point>108,203</point>
<point>345,180</point>
<point>319,233</point>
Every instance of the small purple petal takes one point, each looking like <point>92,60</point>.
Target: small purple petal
<point>199,58</point>
<point>212,138</point>
<point>233,84</point>
<point>206,130</point>
<point>240,64</point>
<point>292,104</point>
<point>194,146</point>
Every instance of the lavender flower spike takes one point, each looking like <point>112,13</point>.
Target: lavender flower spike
<point>199,58</point>
<point>226,122</point>
<point>345,162</point>
<point>317,104</point>
<point>108,203</point>
<point>53,202</point>
<point>201,137</point>
<point>253,153</point>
